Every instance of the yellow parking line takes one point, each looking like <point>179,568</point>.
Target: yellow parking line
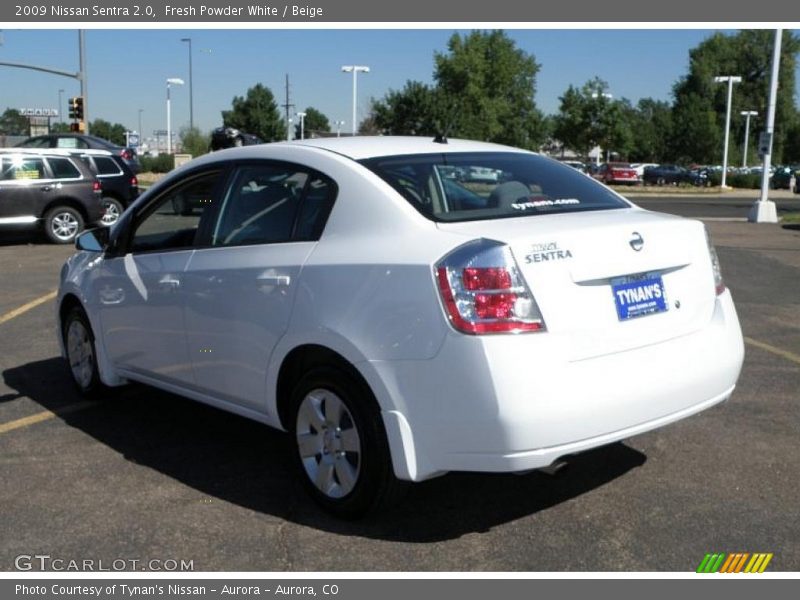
<point>43,416</point>
<point>795,358</point>
<point>26,307</point>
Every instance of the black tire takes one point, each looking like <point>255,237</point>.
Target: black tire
<point>113,209</point>
<point>76,331</point>
<point>661,181</point>
<point>62,224</point>
<point>332,448</point>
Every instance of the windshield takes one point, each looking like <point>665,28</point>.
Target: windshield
<point>490,185</point>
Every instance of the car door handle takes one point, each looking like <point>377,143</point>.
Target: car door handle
<point>275,279</point>
<point>169,284</point>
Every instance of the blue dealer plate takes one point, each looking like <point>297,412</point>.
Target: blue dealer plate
<point>638,297</point>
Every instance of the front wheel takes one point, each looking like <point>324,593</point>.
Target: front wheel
<point>81,353</point>
<point>341,449</point>
<point>62,224</point>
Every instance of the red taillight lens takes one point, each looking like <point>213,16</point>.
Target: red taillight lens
<point>134,181</point>
<point>483,291</point>
<point>126,154</point>
<point>96,187</point>
<point>490,278</point>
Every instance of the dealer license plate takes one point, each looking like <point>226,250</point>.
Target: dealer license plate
<point>637,297</point>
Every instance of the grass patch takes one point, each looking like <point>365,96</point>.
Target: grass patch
<point>792,218</point>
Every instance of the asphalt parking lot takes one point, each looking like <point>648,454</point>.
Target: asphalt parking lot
<point>144,475</point>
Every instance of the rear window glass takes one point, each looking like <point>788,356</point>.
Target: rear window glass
<point>63,168</point>
<point>490,185</point>
<point>106,166</point>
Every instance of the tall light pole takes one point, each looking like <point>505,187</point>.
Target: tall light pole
<point>60,114</point>
<point>339,128</point>
<point>355,70</point>
<point>730,80</point>
<point>764,210</point>
<point>302,116</point>
<point>191,94</point>
<point>141,133</point>
<point>746,114</point>
<point>170,82</point>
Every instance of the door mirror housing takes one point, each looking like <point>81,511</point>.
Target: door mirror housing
<point>94,240</point>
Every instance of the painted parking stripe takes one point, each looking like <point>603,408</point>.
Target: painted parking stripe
<point>26,307</point>
<point>44,416</point>
<point>791,356</point>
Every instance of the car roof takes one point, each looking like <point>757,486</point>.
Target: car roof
<point>39,151</point>
<point>363,147</point>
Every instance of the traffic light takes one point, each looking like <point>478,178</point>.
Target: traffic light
<point>76,108</point>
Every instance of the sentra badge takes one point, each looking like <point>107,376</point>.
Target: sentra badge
<point>546,252</point>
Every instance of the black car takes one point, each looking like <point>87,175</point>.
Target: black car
<point>230,137</point>
<point>119,183</point>
<point>782,177</point>
<point>674,175</point>
<point>49,189</point>
<point>80,141</point>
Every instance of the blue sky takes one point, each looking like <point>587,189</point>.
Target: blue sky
<point>127,69</point>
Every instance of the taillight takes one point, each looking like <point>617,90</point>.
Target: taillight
<point>96,187</point>
<point>126,154</point>
<point>719,282</point>
<point>483,290</point>
<point>134,181</point>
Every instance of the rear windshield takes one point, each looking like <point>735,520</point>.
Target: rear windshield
<point>490,185</point>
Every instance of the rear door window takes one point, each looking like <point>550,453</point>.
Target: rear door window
<point>63,168</point>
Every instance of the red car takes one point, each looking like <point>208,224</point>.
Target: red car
<point>618,173</point>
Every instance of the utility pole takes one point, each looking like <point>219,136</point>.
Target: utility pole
<point>287,107</point>
<point>82,76</point>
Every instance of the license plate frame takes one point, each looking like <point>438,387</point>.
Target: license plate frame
<point>638,296</point>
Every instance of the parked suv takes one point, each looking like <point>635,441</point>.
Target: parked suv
<point>51,189</point>
<point>80,141</point>
<point>119,183</point>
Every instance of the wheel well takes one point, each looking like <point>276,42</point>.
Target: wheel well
<point>66,201</point>
<point>69,302</point>
<point>299,361</point>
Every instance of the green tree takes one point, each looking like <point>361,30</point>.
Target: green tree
<point>414,110</point>
<point>113,133</point>
<point>487,87</point>
<point>313,121</point>
<point>256,113</point>
<point>13,123</point>
<point>651,127</point>
<point>194,141</point>
<point>590,117</point>
<point>59,127</point>
<point>747,54</point>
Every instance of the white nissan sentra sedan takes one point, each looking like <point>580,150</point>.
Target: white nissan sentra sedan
<point>400,318</point>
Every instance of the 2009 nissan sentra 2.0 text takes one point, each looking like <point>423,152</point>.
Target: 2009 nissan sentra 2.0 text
<point>404,307</point>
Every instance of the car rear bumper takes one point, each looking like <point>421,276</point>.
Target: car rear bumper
<point>514,403</point>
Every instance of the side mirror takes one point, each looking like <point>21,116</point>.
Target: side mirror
<point>94,240</point>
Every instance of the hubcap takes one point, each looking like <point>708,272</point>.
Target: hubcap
<point>80,354</point>
<point>328,442</point>
<point>64,226</point>
<point>112,213</point>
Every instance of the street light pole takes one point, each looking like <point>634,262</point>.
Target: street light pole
<point>141,133</point>
<point>339,128</point>
<point>170,82</point>
<point>746,114</point>
<point>730,80</point>
<point>191,93</point>
<point>765,210</point>
<point>355,70</point>
<point>60,114</point>
<point>302,116</point>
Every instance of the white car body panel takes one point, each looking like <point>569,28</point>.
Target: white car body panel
<point>367,291</point>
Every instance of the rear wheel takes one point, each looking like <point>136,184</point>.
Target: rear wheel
<point>661,181</point>
<point>113,210</point>
<point>341,448</point>
<point>62,224</point>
